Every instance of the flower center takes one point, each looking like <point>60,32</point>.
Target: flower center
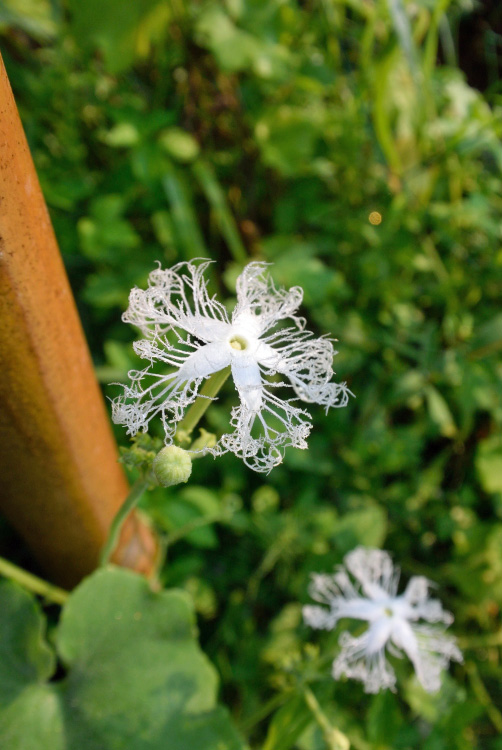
<point>238,343</point>
<point>388,611</point>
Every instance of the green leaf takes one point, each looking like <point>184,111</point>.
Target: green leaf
<point>190,504</point>
<point>489,463</point>
<point>233,47</point>
<point>488,338</point>
<point>439,412</point>
<point>288,724</point>
<point>28,707</point>
<point>122,31</point>
<point>25,657</point>
<point>295,264</point>
<point>478,569</point>
<point>122,135</point>
<point>105,230</point>
<point>179,144</point>
<point>433,706</point>
<point>381,110</point>
<point>35,17</point>
<point>136,676</point>
<point>288,138</point>
<point>384,719</point>
<point>367,526</point>
<point>33,721</point>
<point>237,49</point>
<point>402,27</point>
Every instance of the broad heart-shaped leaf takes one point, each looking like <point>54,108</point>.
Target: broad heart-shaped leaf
<point>136,677</point>
<point>27,702</point>
<point>25,657</point>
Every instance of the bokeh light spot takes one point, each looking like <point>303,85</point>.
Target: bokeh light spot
<point>375,218</point>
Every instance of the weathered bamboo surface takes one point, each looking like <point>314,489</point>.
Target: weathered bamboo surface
<point>60,483</point>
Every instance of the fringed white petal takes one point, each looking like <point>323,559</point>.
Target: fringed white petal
<point>375,572</point>
<point>319,618</point>
<point>307,362</point>
<point>177,298</point>
<point>429,650</point>
<point>150,395</point>
<point>358,661</point>
<point>330,588</point>
<point>168,395</point>
<point>343,599</point>
<point>431,610</point>
<point>260,437</point>
<point>261,304</point>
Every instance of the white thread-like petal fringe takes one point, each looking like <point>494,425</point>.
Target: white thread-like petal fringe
<point>371,595</point>
<point>190,333</point>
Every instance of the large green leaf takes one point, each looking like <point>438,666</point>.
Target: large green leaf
<point>136,676</point>
<point>25,657</point>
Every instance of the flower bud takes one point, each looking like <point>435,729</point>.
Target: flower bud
<point>172,465</point>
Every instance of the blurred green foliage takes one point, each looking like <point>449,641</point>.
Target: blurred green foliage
<point>273,129</point>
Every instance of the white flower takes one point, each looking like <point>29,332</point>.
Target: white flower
<point>371,595</point>
<point>190,331</point>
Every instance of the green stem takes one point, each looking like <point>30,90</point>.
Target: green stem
<point>482,641</point>
<point>128,505</point>
<point>334,739</point>
<point>201,404</point>
<point>275,702</point>
<point>483,696</point>
<point>32,583</point>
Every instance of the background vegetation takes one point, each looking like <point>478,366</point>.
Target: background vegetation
<point>339,140</point>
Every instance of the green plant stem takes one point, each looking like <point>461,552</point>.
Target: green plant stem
<point>201,404</point>
<point>269,561</point>
<point>483,696</point>
<point>216,197</point>
<point>32,583</point>
<point>127,506</point>
<point>275,702</point>
<point>334,739</point>
<point>482,641</point>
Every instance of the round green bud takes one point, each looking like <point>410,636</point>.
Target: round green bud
<point>172,465</point>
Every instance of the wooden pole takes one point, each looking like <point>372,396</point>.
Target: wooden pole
<point>60,483</point>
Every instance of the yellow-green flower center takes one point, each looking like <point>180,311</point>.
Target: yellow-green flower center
<point>238,343</point>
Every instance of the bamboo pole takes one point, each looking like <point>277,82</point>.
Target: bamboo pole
<point>60,483</point>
